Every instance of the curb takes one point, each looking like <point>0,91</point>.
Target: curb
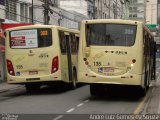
<point>6,90</point>
<point>1,91</point>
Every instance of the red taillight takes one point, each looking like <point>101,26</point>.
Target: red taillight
<point>54,64</point>
<point>10,68</point>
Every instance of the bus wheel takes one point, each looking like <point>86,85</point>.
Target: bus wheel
<point>142,91</point>
<point>73,84</point>
<point>32,88</point>
<point>96,90</point>
<point>93,91</point>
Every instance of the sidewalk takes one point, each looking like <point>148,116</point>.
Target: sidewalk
<point>154,102</point>
<point>4,86</point>
<point>153,106</point>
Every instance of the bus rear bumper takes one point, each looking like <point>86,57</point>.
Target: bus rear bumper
<point>28,79</point>
<point>125,79</point>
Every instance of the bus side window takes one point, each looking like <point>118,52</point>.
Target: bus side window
<point>77,43</point>
<point>73,43</point>
<point>62,42</point>
<point>88,35</point>
<point>146,47</point>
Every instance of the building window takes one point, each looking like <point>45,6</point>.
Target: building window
<point>130,15</point>
<point>130,8</point>
<point>134,8</point>
<point>24,12</point>
<point>133,1</point>
<point>11,9</point>
<point>54,2</point>
<point>135,15</point>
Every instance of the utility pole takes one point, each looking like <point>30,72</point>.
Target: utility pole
<point>101,10</point>
<point>93,9</point>
<point>109,9</point>
<point>32,13</point>
<point>46,8</point>
<point>46,11</point>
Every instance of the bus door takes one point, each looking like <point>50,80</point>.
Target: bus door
<point>66,63</point>
<point>69,56</point>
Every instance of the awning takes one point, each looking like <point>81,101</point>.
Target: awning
<point>11,25</point>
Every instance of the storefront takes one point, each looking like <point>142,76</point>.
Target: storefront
<point>2,57</point>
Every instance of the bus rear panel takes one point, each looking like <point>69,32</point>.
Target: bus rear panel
<point>112,52</point>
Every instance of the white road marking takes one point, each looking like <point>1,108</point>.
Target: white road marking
<point>80,104</point>
<point>58,117</point>
<point>70,110</point>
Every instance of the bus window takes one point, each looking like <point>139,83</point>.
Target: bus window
<point>110,34</point>
<point>73,43</point>
<point>31,38</point>
<point>44,37</point>
<point>62,42</point>
<point>77,43</point>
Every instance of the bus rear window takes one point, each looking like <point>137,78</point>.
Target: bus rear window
<point>104,34</point>
<point>31,38</point>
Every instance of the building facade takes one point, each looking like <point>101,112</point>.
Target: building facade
<point>114,9</point>
<point>158,17</point>
<point>84,7</point>
<point>98,9</point>
<point>21,11</point>
<point>151,12</point>
<point>125,9</point>
<point>137,9</point>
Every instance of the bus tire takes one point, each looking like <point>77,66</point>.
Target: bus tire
<point>73,84</point>
<point>93,91</point>
<point>96,90</point>
<point>32,88</point>
<point>142,91</point>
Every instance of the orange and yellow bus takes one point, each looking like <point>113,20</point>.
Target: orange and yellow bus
<point>115,52</point>
<point>41,54</point>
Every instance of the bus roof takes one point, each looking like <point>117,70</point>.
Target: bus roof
<point>111,21</point>
<point>44,26</point>
<point>120,21</point>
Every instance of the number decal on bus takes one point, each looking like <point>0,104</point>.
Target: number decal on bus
<point>44,32</point>
<point>97,63</point>
<point>19,66</point>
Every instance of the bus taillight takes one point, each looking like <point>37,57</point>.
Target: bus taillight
<point>54,64</point>
<point>10,68</point>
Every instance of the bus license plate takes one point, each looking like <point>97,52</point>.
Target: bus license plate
<point>33,72</point>
<point>108,69</point>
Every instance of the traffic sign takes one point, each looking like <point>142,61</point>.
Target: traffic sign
<point>152,27</point>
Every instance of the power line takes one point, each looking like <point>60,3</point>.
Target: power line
<point>60,14</point>
<point>39,6</point>
<point>20,15</point>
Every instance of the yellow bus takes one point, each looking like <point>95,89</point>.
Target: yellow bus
<point>115,52</point>
<point>41,54</point>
